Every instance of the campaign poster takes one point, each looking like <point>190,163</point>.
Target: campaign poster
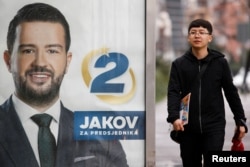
<point>105,82</point>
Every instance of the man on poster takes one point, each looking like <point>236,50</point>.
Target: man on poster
<point>34,118</point>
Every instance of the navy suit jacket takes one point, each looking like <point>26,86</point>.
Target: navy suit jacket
<point>16,151</point>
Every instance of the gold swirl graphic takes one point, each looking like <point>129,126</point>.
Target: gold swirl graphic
<point>111,99</point>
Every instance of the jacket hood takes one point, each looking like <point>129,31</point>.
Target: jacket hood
<point>212,54</point>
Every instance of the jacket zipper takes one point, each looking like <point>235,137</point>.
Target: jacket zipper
<point>200,98</point>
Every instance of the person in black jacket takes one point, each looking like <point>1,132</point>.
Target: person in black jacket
<point>205,130</point>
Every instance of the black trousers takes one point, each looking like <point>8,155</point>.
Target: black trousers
<point>195,146</point>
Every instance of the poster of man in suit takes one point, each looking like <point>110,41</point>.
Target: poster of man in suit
<point>91,84</point>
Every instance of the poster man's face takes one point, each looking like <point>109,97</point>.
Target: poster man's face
<point>39,60</point>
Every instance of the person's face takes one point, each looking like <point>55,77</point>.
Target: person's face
<point>38,61</point>
<point>199,37</point>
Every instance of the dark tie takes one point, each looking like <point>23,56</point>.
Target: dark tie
<point>46,140</point>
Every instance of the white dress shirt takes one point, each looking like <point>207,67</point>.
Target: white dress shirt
<point>25,112</point>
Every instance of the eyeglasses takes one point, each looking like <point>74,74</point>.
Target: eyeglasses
<point>193,33</point>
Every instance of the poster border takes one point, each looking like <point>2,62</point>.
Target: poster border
<point>150,9</point>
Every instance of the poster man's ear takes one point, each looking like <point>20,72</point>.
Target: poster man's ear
<point>69,57</point>
<point>7,59</point>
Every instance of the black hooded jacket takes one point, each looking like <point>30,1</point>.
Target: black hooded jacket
<point>206,110</point>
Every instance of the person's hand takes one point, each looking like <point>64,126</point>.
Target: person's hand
<point>240,131</point>
<point>178,125</point>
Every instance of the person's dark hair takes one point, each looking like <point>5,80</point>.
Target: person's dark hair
<point>37,12</point>
<point>201,23</point>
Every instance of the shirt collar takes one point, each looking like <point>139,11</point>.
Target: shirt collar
<point>24,111</point>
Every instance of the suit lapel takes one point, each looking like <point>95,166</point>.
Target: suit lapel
<point>14,139</point>
<point>66,145</point>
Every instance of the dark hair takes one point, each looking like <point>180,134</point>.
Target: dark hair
<point>201,23</point>
<point>37,12</point>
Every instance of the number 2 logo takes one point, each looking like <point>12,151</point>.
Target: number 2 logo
<point>100,85</point>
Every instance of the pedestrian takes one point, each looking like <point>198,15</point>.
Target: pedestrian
<point>35,127</point>
<point>204,73</point>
